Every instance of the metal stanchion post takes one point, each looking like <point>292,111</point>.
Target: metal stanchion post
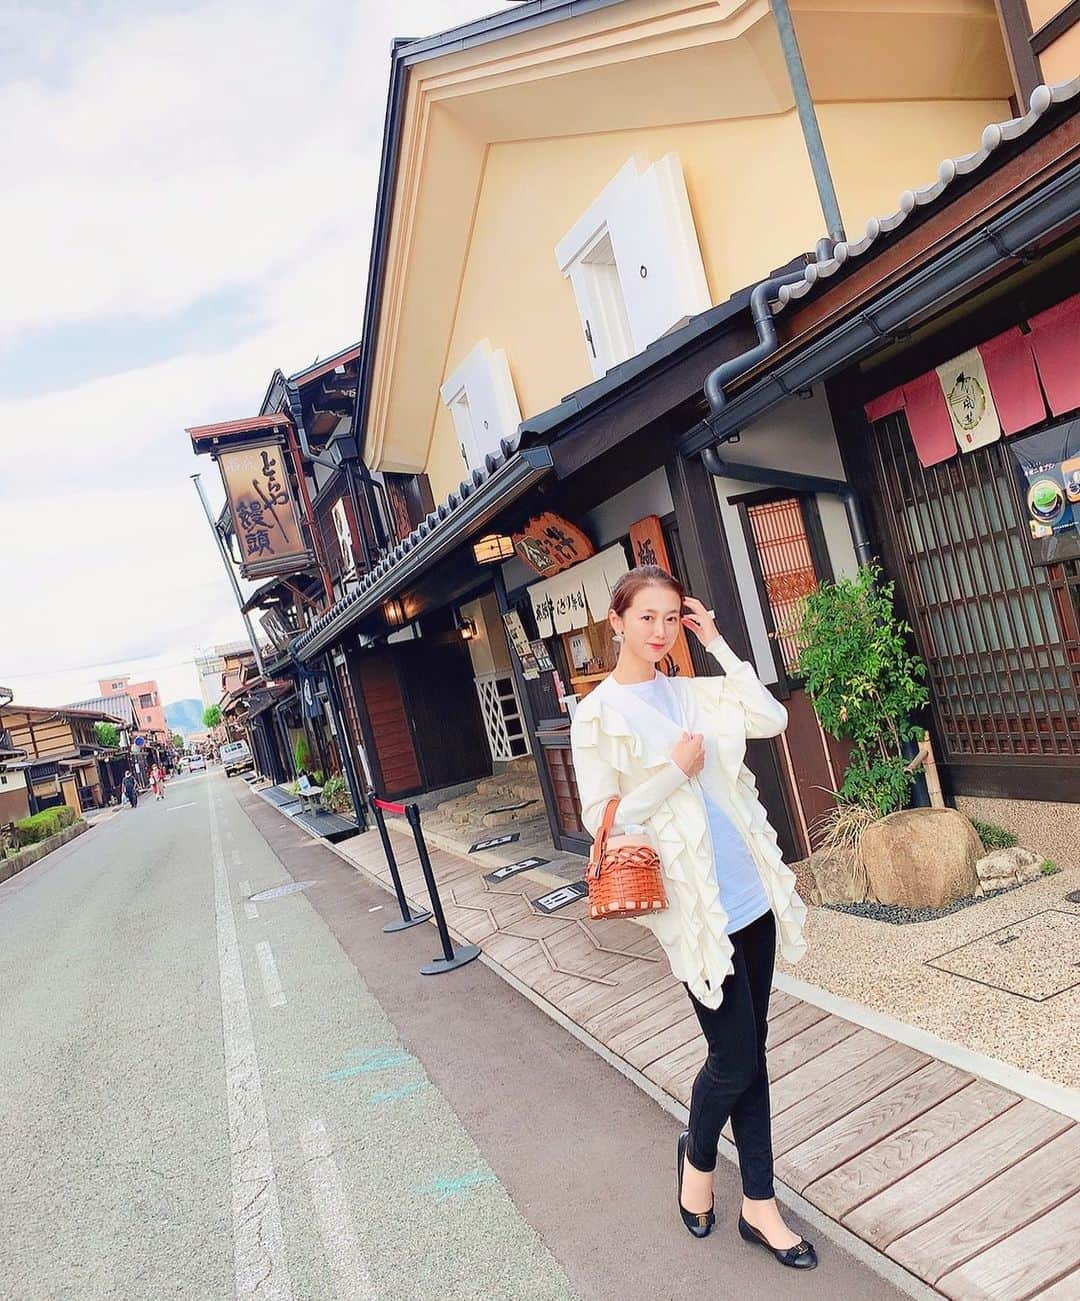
<point>408,918</point>
<point>451,959</point>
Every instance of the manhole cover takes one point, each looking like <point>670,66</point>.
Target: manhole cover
<point>279,891</point>
<point>1037,957</point>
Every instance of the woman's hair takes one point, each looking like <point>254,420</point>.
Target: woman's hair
<point>634,580</point>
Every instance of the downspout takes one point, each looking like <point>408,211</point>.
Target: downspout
<point>767,344</point>
<point>804,105</point>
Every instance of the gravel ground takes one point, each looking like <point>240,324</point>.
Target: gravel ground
<point>900,916</point>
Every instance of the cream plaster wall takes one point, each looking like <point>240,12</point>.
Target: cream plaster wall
<point>754,206</point>
<point>1061,61</point>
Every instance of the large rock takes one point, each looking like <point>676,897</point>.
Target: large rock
<point>921,858</point>
<point>837,878</point>
<point>1005,867</point>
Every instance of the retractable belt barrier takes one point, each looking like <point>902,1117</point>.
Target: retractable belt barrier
<point>451,958</point>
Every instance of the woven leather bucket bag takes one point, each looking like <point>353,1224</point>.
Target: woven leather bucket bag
<point>623,875</point>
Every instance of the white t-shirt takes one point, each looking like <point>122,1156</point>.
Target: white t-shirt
<point>742,893</point>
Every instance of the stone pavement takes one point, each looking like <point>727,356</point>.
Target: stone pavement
<point>970,1186</point>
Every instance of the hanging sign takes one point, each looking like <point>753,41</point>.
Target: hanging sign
<point>309,695</point>
<point>971,407</point>
<point>264,514</point>
<point>549,544</point>
<point>649,548</point>
<point>579,596</point>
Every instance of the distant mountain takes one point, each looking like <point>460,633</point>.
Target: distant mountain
<point>185,716</point>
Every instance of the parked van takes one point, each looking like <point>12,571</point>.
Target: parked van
<point>236,757</point>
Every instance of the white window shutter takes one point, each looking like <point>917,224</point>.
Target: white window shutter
<point>480,395</point>
<point>657,253</point>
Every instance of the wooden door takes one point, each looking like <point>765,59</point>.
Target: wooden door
<point>398,767</point>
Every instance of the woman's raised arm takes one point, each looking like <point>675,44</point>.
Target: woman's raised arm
<point>764,714</point>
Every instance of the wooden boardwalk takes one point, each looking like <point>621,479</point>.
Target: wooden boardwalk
<point>971,1188</point>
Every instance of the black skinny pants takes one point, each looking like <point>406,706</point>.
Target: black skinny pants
<point>734,1081</point>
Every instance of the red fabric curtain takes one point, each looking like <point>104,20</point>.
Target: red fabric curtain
<point>1055,340</point>
<point>928,419</point>
<point>885,405</point>
<point>1014,384</point>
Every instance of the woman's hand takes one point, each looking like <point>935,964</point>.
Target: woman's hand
<point>689,753</point>
<point>700,621</point>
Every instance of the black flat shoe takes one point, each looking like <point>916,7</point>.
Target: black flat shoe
<point>700,1225</point>
<point>801,1256</point>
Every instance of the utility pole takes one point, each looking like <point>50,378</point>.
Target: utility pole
<point>197,480</point>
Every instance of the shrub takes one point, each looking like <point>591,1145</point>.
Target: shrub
<point>336,795</point>
<point>1049,867</point>
<point>993,836</point>
<point>40,826</point>
<point>864,684</point>
<point>302,755</point>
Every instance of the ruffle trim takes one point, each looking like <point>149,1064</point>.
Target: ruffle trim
<point>692,929</point>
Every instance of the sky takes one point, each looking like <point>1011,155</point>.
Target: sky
<point>187,206</point>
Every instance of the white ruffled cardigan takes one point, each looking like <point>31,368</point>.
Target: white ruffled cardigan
<point>621,747</point>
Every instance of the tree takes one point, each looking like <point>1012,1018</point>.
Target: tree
<point>212,716</point>
<point>864,683</point>
<point>107,734</point>
<point>177,741</point>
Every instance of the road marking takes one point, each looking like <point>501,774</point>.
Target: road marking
<point>367,1061</point>
<point>175,808</point>
<point>250,911</point>
<point>275,995</point>
<point>447,1186</point>
<point>352,1282</point>
<point>258,1249</point>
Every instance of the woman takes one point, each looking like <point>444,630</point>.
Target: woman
<point>157,781</point>
<point>131,790</point>
<point>673,750</point>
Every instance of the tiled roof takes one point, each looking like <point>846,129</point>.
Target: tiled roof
<point>493,462</point>
<point>913,202</point>
<point>119,708</point>
<point>201,435</point>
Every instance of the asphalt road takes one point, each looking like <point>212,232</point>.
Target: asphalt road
<point>206,1097</point>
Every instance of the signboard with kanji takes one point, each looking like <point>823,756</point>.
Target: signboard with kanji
<point>549,544</point>
<point>264,513</point>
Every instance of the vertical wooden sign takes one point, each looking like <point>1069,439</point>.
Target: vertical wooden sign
<point>649,548</point>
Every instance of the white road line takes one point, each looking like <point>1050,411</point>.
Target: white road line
<point>258,1249</point>
<point>352,1282</point>
<point>275,995</point>
<point>250,911</point>
<point>174,807</point>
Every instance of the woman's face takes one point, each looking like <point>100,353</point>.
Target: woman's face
<point>650,623</point>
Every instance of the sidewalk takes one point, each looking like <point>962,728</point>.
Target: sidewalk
<point>970,1186</point>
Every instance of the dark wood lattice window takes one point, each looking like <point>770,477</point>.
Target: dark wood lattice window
<point>789,558</point>
<point>1000,636</point>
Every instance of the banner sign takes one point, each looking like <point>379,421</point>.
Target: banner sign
<point>579,596</point>
<point>264,514</point>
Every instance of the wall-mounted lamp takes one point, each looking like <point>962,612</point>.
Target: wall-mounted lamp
<point>394,612</point>
<point>466,626</point>
<point>492,548</point>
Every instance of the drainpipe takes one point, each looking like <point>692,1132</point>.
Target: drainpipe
<point>722,469</point>
<point>767,344</point>
<point>804,104</point>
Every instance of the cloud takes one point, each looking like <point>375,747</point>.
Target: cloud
<point>164,158</point>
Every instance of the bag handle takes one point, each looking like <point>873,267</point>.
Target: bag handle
<point>600,843</point>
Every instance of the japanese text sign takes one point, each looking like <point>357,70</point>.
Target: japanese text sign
<point>263,511</point>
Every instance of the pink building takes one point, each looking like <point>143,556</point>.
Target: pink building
<point>149,711</point>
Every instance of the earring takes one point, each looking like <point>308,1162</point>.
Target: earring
<point>617,637</point>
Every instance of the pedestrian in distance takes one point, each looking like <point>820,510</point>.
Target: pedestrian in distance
<point>157,782</point>
<point>672,751</point>
<point>131,789</point>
